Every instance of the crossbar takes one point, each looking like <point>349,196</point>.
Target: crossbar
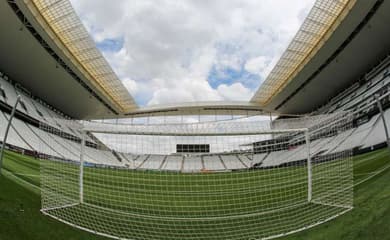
<point>152,133</point>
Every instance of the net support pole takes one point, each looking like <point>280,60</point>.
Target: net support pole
<point>378,102</point>
<point>7,130</point>
<point>309,172</point>
<point>81,173</point>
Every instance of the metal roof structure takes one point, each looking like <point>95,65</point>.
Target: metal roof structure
<point>352,53</point>
<point>61,22</point>
<point>318,26</point>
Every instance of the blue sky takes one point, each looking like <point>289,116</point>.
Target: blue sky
<point>229,76</point>
<point>170,51</point>
<point>110,44</point>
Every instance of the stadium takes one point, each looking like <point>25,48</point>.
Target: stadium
<point>307,157</point>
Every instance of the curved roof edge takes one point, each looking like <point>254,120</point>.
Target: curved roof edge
<point>319,25</point>
<point>200,108</point>
<point>64,27</point>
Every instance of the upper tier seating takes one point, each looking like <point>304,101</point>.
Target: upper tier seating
<point>358,95</point>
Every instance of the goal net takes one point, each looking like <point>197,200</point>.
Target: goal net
<point>240,179</point>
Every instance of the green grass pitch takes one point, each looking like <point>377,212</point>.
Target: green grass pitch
<point>20,202</point>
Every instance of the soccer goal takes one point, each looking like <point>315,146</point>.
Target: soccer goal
<point>239,179</point>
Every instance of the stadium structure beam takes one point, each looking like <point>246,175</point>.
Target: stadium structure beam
<point>7,130</point>
<point>199,108</point>
<point>378,102</point>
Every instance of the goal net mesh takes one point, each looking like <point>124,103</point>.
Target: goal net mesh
<point>240,179</point>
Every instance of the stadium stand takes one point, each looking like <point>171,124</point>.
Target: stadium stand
<point>13,137</point>
<point>358,98</point>
<point>193,164</point>
<point>360,94</point>
<point>153,162</point>
<point>27,136</point>
<point>173,163</point>
<point>213,163</point>
<point>233,162</point>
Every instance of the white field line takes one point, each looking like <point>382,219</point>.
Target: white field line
<point>362,181</point>
<point>28,175</point>
<point>358,162</point>
<point>12,175</point>
<point>82,228</point>
<point>368,173</point>
<point>306,227</point>
<point>373,175</point>
<point>60,207</point>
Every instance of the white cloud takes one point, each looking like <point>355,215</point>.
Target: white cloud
<point>170,47</point>
<point>236,91</point>
<point>187,90</point>
<point>257,65</point>
<point>131,85</point>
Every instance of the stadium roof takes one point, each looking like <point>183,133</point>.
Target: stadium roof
<point>61,64</point>
<point>61,22</point>
<point>318,26</point>
<point>350,49</point>
<point>48,51</point>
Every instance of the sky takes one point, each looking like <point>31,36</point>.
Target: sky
<point>169,51</point>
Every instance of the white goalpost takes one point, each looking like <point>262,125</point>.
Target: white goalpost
<point>309,173</point>
<point>81,176</point>
<point>239,179</point>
